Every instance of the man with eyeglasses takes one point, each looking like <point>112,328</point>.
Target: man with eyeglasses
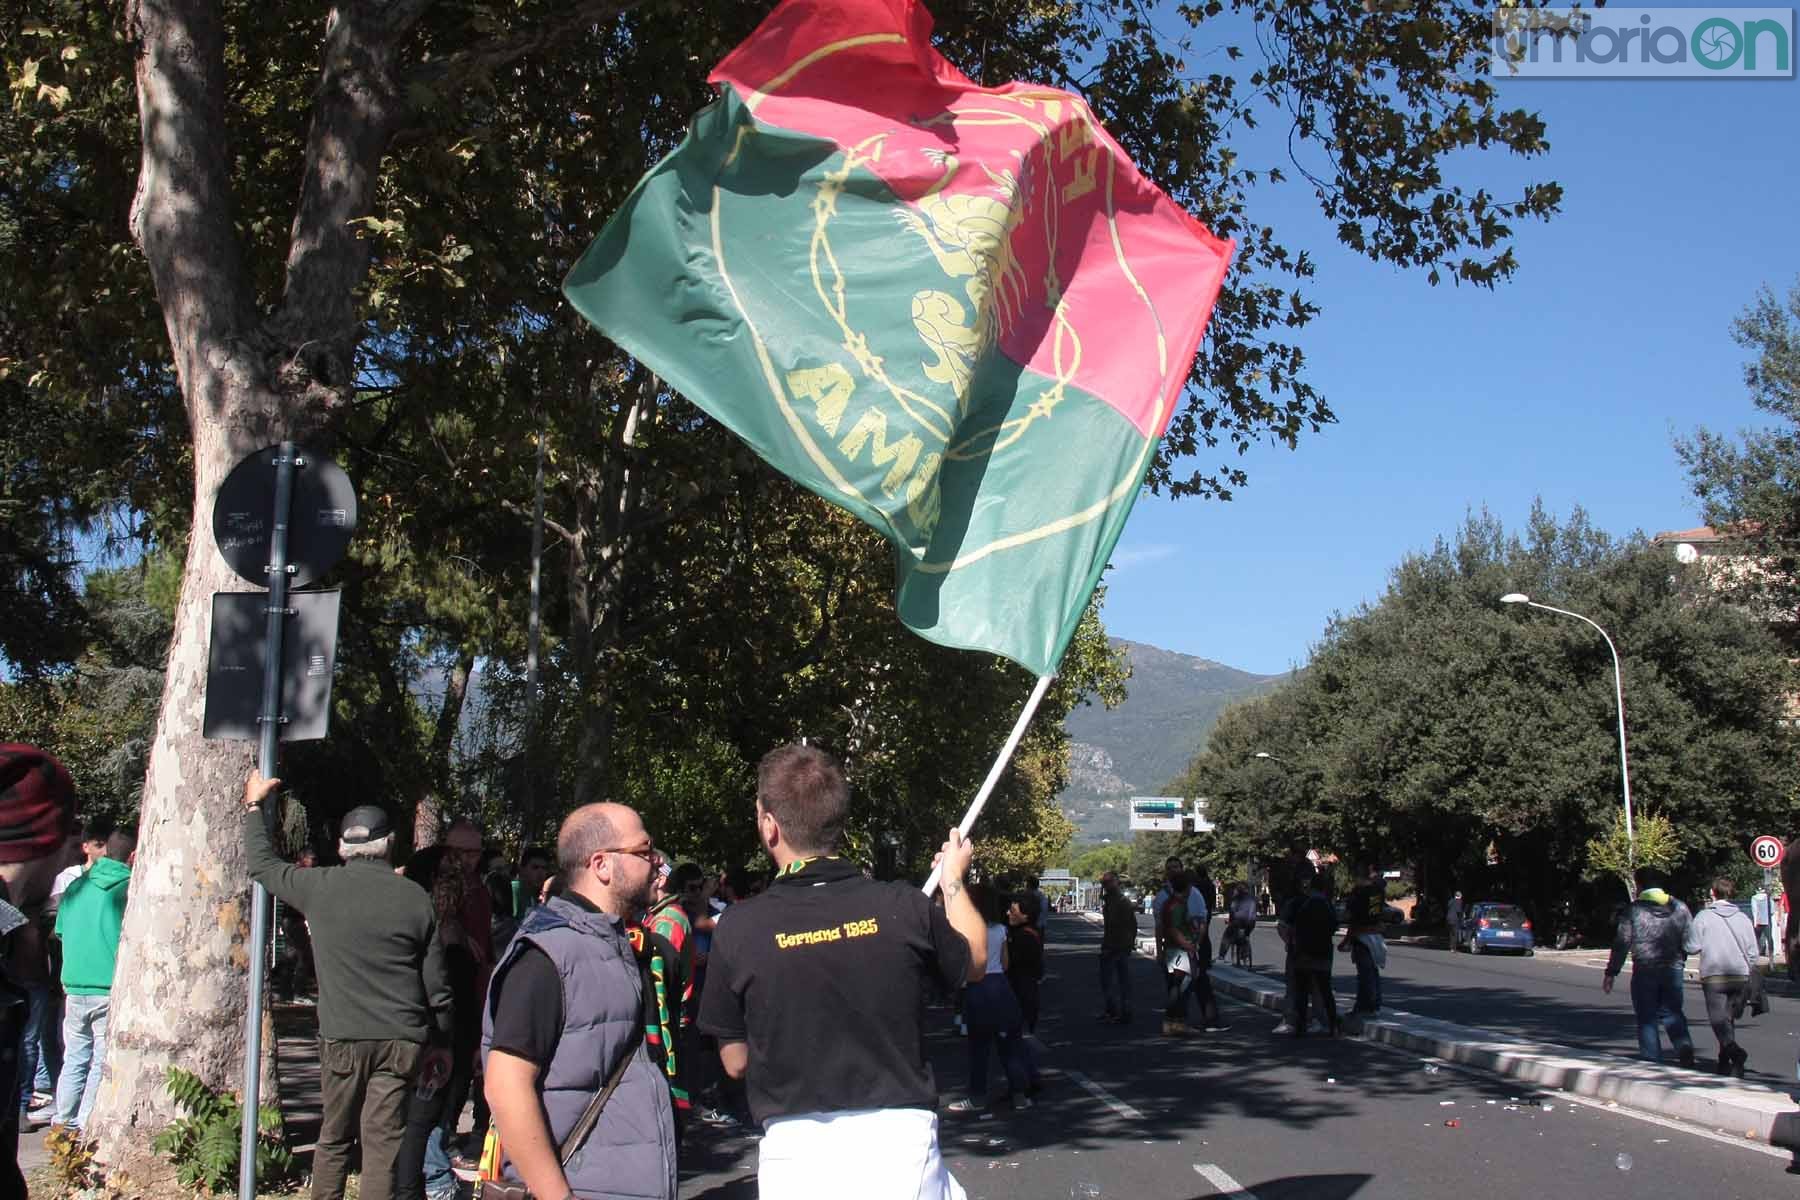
<point>817,999</point>
<point>566,1010</point>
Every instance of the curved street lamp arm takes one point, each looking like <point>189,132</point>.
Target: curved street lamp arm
<point>1619,696</point>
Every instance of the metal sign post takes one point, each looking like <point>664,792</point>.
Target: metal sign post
<point>268,737</point>
<point>1767,852</point>
<point>255,533</point>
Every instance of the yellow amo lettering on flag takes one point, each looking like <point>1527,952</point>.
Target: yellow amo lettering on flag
<point>912,473</point>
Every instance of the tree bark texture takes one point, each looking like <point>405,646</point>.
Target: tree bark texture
<point>180,997</point>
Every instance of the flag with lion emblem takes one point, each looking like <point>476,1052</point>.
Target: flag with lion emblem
<point>959,312</point>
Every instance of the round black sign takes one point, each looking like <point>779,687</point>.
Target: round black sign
<point>320,522</point>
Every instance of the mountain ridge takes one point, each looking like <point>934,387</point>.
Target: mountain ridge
<point>1171,703</point>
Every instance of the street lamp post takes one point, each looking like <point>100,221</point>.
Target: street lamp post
<point>1619,696</point>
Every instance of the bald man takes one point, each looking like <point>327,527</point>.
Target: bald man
<point>565,1016</point>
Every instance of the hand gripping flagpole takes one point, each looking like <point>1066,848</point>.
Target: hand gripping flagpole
<point>993,775</point>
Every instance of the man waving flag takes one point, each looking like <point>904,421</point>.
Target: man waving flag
<point>959,312</point>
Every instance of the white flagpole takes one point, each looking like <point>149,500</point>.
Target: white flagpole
<point>993,776</point>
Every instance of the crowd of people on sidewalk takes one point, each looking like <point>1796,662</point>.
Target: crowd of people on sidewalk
<point>595,1000</point>
<point>63,888</point>
<point>623,997</point>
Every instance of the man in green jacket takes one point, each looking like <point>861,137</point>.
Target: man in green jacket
<point>384,993</point>
<point>87,923</point>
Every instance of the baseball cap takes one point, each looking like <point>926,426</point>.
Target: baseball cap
<point>364,823</point>
<point>37,803</point>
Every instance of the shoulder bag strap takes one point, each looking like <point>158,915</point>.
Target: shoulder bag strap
<point>590,1116</point>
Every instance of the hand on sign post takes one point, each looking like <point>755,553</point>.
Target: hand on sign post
<point>257,789</point>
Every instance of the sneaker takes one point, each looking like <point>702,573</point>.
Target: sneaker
<point>1217,1028</point>
<point>31,1120</point>
<point>715,1118</point>
<point>1284,1027</point>
<point>42,1099</point>
<point>1021,1102</point>
<point>968,1104</point>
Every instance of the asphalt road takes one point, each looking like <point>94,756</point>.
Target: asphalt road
<point>1253,1116</point>
<point>1553,996</point>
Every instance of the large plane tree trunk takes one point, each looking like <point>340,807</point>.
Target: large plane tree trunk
<point>249,375</point>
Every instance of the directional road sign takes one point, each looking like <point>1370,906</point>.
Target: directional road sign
<point>1158,814</point>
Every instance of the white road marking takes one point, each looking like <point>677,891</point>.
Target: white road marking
<point>1228,1187</point>
<point>1105,1097</point>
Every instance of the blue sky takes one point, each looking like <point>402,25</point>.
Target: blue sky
<point>1570,382</point>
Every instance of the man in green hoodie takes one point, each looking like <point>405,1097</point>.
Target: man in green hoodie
<point>88,923</point>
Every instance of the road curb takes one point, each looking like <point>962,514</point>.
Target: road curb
<point>1759,1114</point>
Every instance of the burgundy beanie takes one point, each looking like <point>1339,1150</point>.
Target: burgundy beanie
<point>37,803</point>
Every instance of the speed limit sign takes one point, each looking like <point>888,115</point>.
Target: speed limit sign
<point>1767,851</point>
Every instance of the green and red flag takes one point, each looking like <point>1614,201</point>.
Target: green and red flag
<point>959,312</point>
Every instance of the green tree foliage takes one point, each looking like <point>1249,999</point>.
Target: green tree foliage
<point>1749,485</point>
<point>1092,864</point>
<point>1478,742</point>
<point>233,222</point>
<point>97,714</point>
<point>205,1146</point>
<point>1653,843</point>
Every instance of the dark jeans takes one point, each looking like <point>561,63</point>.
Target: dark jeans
<point>40,1051</point>
<point>364,1086</point>
<point>1115,982</point>
<point>1368,979</point>
<point>1025,990</point>
<point>1724,1003</point>
<point>1313,983</point>
<point>414,1173</point>
<point>994,1023</point>
<point>1656,1000</point>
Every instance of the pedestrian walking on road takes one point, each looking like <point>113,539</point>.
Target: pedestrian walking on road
<point>1284,929</point>
<point>1025,955</point>
<point>1759,917</point>
<point>817,994</point>
<point>1187,957</point>
<point>1453,915</point>
<point>384,993</point>
<point>1362,937</point>
<point>1657,931</point>
<point>995,1021</point>
<point>1315,928</point>
<point>1118,942</point>
<point>1728,970</point>
<point>562,1035</point>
